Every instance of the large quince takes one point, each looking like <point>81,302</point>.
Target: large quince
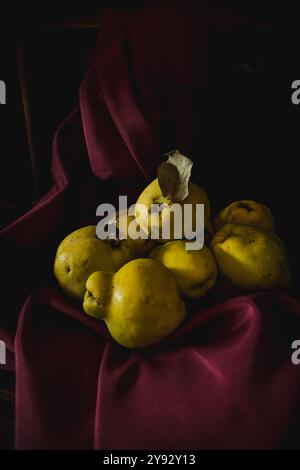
<point>252,258</point>
<point>245,212</point>
<point>140,304</point>
<point>81,253</point>
<point>194,270</point>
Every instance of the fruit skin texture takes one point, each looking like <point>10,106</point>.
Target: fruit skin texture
<point>140,303</point>
<point>141,246</point>
<point>245,212</point>
<point>252,258</point>
<point>195,270</point>
<point>152,195</point>
<point>81,253</point>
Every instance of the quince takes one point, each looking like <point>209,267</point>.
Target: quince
<point>194,270</point>
<point>153,195</point>
<point>252,258</point>
<point>139,246</point>
<point>245,212</point>
<point>81,253</point>
<point>140,303</point>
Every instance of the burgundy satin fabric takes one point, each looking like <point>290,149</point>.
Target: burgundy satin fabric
<point>224,379</point>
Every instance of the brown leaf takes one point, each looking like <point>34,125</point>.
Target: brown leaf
<point>168,179</point>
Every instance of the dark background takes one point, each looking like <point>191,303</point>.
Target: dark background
<point>248,142</point>
<point>248,135</point>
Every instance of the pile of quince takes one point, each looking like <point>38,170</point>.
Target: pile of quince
<point>138,286</point>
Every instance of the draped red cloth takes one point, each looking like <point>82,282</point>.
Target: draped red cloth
<point>224,379</point>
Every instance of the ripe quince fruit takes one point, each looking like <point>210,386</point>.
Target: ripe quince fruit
<point>245,212</point>
<point>194,270</point>
<point>153,195</point>
<point>252,258</point>
<point>81,253</point>
<point>140,303</point>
